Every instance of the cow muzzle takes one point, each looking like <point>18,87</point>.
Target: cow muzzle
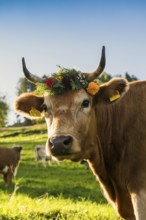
<point>60,145</point>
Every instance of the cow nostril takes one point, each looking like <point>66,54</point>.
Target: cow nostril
<point>68,140</point>
<point>50,143</point>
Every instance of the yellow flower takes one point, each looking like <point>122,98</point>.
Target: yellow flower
<point>93,88</point>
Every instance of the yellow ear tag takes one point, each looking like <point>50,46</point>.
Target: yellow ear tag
<point>115,96</point>
<point>34,112</point>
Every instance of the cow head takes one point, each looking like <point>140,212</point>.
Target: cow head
<point>71,115</point>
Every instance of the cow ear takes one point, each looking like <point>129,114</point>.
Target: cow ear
<point>18,148</point>
<point>29,105</point>
<point>112,91</point>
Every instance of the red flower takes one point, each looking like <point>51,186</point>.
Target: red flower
<point>49,82</point>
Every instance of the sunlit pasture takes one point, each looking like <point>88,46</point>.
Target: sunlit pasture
<point>69,191</point>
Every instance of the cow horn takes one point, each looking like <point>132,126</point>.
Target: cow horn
<point>93,75</point>
<point>32,78</point>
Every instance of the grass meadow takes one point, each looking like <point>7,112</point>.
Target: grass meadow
<point>66,192</point>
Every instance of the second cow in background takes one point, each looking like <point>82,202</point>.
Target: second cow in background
<point>40,154</point>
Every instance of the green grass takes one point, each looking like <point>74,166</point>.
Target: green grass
<point>61,192</point>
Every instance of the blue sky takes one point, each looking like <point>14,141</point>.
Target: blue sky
<point>70,33</point>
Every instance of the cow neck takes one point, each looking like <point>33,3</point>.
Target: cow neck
<point>97,165</point>
<point>97,157</point>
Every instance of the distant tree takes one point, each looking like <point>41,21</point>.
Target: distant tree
<point>130,78</point>
<point>105,77</point>
<point>24,86</point>
<point>3,111</point>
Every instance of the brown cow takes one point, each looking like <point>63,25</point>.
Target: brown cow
<point>9,159</point>
<point>107,129</point>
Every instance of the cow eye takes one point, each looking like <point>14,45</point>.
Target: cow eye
<point>85,104</point>
<point>44,107</point>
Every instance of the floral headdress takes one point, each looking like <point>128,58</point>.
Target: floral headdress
<point>67,79</point>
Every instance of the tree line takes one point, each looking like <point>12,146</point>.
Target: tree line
<point>24,85</point>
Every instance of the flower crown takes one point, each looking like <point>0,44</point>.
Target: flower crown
<point>67,79</point>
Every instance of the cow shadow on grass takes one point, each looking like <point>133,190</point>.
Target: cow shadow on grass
<point>75,183</point>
